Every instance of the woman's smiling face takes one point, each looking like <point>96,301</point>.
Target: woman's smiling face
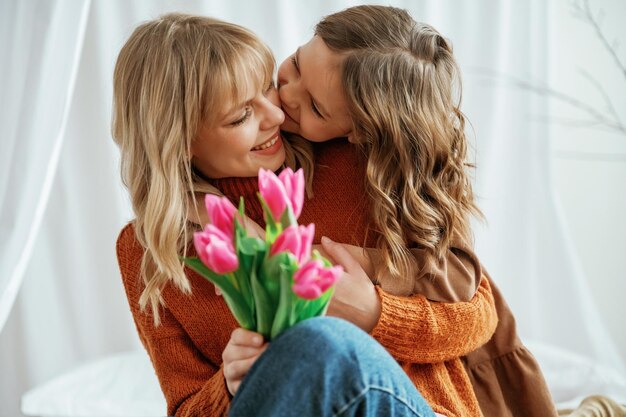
<point>243,139</point>
<point>311,94</point>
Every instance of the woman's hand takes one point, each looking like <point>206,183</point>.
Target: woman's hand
<point>355,298</point>
<point>242,350</point>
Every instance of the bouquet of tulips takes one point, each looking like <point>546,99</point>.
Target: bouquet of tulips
<point>271,284</point>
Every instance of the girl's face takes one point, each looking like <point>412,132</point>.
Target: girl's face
<point>309,83</point>
<point>244,138</point>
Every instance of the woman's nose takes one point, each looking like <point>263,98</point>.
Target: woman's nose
<point>273,116</point>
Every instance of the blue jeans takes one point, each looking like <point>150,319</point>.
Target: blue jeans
<point>327,367</point>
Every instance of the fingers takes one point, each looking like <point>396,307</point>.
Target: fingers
<point>341,256</point>
<point>237,353</point>
<point>243,344</point>
<point>235,372</point>
<point>239,369</point>
<point>217,290</point>
<point>243,337</point>
<point>322,252</point>
<point>242,350</point>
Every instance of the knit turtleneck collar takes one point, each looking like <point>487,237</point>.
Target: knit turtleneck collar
<point>234,188</point>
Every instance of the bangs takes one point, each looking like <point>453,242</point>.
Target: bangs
<point>248,70</point>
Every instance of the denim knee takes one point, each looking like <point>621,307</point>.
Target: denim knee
<point>321,334</point>
<point>354,365</point>
<point>326,367</point>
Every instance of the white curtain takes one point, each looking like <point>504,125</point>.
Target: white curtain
<point>62,203</point>
<point>41,46</point>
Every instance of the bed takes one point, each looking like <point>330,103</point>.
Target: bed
<point>124,385</point>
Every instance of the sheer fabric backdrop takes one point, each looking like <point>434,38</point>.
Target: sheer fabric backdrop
<point>62,203</point>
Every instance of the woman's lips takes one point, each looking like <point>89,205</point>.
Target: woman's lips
<point>270,146</point>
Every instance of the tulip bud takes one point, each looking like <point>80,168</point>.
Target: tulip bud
<point>296,240</point>
<point>313,279</point>
<point>215,249</point>
<point>221,213</point>
<point>279,192</point>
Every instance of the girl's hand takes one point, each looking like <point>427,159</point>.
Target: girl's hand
<point>242,350</point>
<point>355,298</point>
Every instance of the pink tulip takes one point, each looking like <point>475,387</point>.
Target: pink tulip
<point>296,240</point>
<point>294,185</point>
<point>221,213</point>
<point>216,250</point>
<point>313,279</point>
<point>286,189</point>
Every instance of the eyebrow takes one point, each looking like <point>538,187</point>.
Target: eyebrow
<point>232,109</point>
<point>317,102</point>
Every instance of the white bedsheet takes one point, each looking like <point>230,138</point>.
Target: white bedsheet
<point>125,385</point>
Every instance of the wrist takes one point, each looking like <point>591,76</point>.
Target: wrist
<point>375,308</point>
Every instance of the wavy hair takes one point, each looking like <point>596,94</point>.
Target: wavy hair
<point>172,75</point>
<point>403,89</point>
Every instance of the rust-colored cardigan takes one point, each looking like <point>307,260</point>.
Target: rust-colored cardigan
<point>427,338</point>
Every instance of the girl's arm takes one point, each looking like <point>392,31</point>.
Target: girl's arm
<point>452,279</point>
<point>413,328</point>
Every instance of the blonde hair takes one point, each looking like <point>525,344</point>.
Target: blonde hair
<point>171,76</point>
<point>403,89</point>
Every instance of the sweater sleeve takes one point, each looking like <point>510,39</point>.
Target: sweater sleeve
<point>454,278</point>
<point>192,384</point>
<point>416,330</point>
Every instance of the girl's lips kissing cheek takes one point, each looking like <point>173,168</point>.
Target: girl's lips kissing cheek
<point>290,124</point>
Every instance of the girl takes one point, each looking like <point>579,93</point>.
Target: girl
<point>437,200</point>
<point>193,101</point>
<point>389,86</point>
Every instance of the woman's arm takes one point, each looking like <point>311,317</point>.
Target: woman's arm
<point>414,329</point>
<point>192,384</point>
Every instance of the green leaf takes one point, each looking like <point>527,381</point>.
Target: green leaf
<point>272,229</point>
<point>283,311</point>
<point>251,245</point>
<point>242,207</point>
<point>265,308</point>
<point>241,281</point>
<point>271,271</point>
<point>288,218</point>
<point>248,250</point>
<point>234,299</point>
<point>314,308</point>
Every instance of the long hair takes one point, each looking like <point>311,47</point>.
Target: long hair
<point>403,89</point>
<point>172,75</point>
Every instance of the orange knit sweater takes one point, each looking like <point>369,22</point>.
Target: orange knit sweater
<point>427,338</point>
